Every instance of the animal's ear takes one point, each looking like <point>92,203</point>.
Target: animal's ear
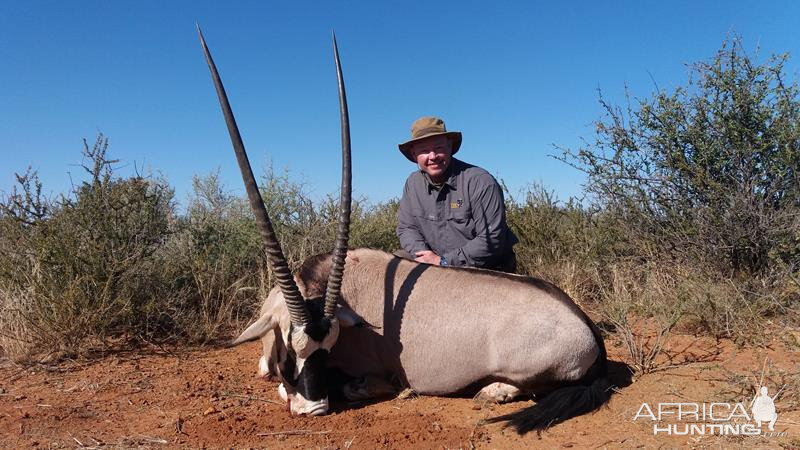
<point>348,318</point>
<point>258,329</point>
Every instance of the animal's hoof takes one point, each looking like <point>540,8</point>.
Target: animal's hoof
<point>356,390</point>
<point>282,393</point>
<point>367,387</point>
<point>496,393</point>
<point>263,369</point>
<point>482,399</point>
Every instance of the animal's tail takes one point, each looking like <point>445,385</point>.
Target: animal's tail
<point>558,406</point>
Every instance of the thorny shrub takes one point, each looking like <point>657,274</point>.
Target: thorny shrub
<point>692,216</point>
<point>709,171</point>
<point>77,271</point>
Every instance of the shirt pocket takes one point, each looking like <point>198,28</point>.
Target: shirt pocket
<point>461,221</point>
<point>422,217</point>
<point>427,226</point>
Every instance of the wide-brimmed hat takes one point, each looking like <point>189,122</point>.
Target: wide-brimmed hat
<point>426,127</point>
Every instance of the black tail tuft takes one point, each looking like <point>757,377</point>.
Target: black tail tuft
<point>558,406</point>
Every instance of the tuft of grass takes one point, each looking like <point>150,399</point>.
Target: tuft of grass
<point>644,306</point>
<point>744,386</point>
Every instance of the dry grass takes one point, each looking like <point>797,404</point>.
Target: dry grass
<point>643,292</point>
<point>14,327</point>
<point>746,385</point>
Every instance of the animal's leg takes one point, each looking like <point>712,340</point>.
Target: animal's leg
<point>497,393</point>
<point>367,387</point>
<point>269,355</point>
<point>263,367</point>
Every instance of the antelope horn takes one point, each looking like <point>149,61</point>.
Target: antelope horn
<point>333,289</point>
<point>277,262</point>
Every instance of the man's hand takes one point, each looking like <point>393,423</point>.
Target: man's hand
<point>427,257</point>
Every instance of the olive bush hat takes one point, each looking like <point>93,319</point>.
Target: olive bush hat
<point>426,127</point>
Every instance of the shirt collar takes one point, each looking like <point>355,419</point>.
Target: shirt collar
<point>452,179</point>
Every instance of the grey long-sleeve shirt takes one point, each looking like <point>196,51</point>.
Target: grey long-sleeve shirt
<point>464,220</point>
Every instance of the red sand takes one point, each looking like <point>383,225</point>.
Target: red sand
<point>211,398</point>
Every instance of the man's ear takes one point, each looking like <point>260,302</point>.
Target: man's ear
<point>348,318</point>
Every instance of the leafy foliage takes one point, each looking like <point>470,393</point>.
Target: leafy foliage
<point>709,170</point>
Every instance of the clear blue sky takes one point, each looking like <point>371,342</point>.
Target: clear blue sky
<point>514,77</point>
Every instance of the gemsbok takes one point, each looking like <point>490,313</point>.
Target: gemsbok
<point>388,322</point>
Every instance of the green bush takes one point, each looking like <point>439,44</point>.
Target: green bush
<point>212,262</point>
<point>702,183</point>
<point>112,263</point>
<point>707,172</point>
<point>79,270</point>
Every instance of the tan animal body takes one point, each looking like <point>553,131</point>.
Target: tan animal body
<point>443,331</point>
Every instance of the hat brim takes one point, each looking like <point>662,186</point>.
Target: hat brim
<point>405,147</point>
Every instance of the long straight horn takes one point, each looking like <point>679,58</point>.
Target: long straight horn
<point>277,262</point>
<point>333,289</point>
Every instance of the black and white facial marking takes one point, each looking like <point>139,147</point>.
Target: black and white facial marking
<point>302,368</point>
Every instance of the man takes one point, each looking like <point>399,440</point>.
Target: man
<point>452,213</point>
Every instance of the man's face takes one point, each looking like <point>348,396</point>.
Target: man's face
<point>433,155</point>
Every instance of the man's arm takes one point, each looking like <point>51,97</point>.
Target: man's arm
<point>489,214</point>
<point>408,231</point>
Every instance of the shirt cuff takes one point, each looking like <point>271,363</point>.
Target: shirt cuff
<point>454,259</point>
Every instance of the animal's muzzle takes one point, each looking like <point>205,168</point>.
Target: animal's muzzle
<point>298,405</point>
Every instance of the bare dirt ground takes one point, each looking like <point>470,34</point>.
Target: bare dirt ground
<point>211,398</point>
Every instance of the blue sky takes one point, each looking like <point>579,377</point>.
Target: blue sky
<point>514,77</point>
